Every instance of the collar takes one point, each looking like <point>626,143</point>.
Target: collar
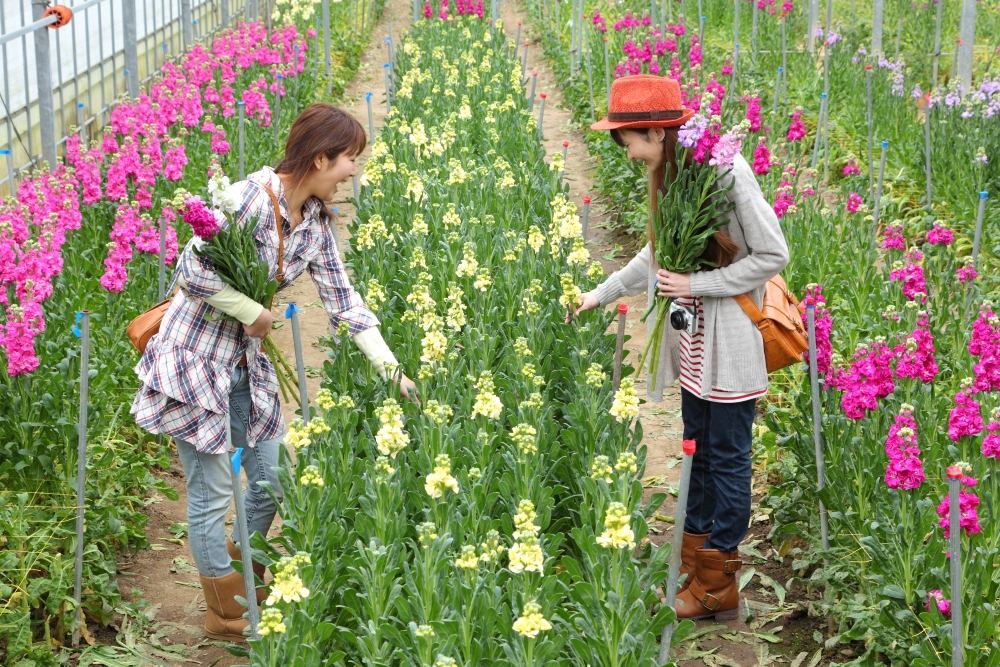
<point>310,210</point>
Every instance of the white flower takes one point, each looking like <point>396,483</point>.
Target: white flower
<point>626,404</point>
<point>531,621</point>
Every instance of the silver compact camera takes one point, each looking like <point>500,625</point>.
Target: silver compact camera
<point>683,318</point>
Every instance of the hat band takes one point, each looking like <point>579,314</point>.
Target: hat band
<point>631,116</point>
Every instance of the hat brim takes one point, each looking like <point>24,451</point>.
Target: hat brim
<point>605,124</point>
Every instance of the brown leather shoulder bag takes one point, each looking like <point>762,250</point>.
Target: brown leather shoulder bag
<point>779,322</point>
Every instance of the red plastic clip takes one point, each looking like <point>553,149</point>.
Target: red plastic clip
<point>622,309</point>
<point>542,95</point>
<point>62,13</point>
<point>586,199</point>
<point>689,447</point>
<point>565,144</point>
<point>954,472</point>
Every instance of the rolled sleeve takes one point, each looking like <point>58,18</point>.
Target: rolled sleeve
<point>340,300</point>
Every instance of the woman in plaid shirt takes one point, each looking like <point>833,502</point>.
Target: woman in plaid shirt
<point>199,371</point>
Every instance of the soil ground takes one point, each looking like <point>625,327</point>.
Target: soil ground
<point>165,574</point>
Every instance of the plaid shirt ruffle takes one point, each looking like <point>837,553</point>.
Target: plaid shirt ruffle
<point>187,368</point>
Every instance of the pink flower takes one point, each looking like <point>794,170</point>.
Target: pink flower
<point>851,168</point>
<point>784,199</point>
<point>911,274</point>
<point>991,443</point>
<point>905,471</point>
<point>964,418</point>
<point>797,130</point>
<point>968,515</point>
<point>706,143</point>
<point>824,327</point>
<point>937,597</point>
<point>868,379</point>
<point>427,10</point>
<point>966,274</point>
<point>200,217</point>
<point>985,344</point>
<point>853,202</point>
<point>694,54</point>
<point>940,236</point>
<point>753,112</point>
<point>894,237</point>
<point>761,158</point>
<point>729,146</point>
<point>916,355</point>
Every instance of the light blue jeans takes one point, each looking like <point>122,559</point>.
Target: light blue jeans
<point>210,485</point>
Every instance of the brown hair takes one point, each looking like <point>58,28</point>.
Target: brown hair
<point>321,129</point>
<point>721,250</point>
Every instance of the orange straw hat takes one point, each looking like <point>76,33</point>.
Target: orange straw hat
<point>644,100</point>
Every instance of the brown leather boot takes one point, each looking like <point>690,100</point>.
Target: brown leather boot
<point>258,568</point>
<point>224,617</point>
<point>692,542</point>
<point>713,590</point>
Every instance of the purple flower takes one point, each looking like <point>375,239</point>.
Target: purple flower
<point>690,133</point>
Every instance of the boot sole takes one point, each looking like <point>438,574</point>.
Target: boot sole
<point>225,637</point>
<point>730,615</point>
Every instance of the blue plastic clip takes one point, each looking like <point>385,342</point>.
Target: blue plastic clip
<point>76,325</point>
<point>237,455</point>
<point>368,97</point>
<point>292,308</point>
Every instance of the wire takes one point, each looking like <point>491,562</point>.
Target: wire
<point>19,139</point>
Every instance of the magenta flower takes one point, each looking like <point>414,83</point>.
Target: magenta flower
<point>853,202</point>
<point>761,158</point>
<point>965,418</point>
<point>968,514</point>
<point>905,471</point>
<point>894,237</point>
<point>753,112</point>
<point>940,236</point>
<point>200,217</point>
<point>911,274</point>
<point>729,146</point>
<point>991,443</point>
<point>868,379</point>
<point>706,144</point>
<point>824,327</point>
<point>937,597</point>
<point>851,168</point>
<point>784,199</point>
<point>797,130</point>
<point>916,354</point>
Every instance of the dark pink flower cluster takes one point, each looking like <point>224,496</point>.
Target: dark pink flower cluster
<point>761,158</point>
<point>719,94</point>
<point>694,54</point>
<point>940,236</point>
<point>824,327</point>
<point>784,196</point>
<point>202,220</point>
<point>965,418</point>
<point>968,514</point>
<point>985,344</point>
<point>134,228</point>
<point>868,379</point>
<point>894,239</point>
<point>598,22</point>
<point>911,273</point>
<point>851,168</point>
<point>966,273</point>
<point>991,442</point>
<point>905,471</point>
<point>753,112</point>
<point>703,149</point>
<point>33,230</point>
<point>853,202</point>
<point>937,597</point>
<point>797,129</point>
<point>627,22</point>
<point>916,354</point>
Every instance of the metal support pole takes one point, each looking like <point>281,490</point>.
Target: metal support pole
<point>586,216</point>
<point>241,106</point>
<point>616,378</point>
<point>899,35</point>
<point>680,517</point>
<point>371,122</point>
<point>784,62</point>
<point>354,185</point>
<point>517,40</point>
<point>43,70</point>
<point>736,26</point>
<point>565,151</point>
<point>161,289</point>
<point>927,147</point>
<point>777,85</point>
<point>977,239</point>
<point>817,421</point>
<point>819,130</point>
<point>81,123</point>
<point>277,107</point>
<point>871,129</point>
<point>878,12</point>
<point>878,190</point>
<point>82,329</point>
<point>829,19</point>
<point>243,533</point>
<point>541,116</point>
<point>326,45</point>
<point>292,312</point>
<point>131,48</point>
<point>186,24</point>
<point>967,36</point>
<point>11,180</point>
<point>524,61</point>
<point>388,101</point>
<point>534,81</point>
<point>813,20</point>
<point>955,545</point>
<point>224,10</point>
<point>937,44</point>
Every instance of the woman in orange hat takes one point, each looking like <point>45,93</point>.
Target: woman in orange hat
<point>717,354</point>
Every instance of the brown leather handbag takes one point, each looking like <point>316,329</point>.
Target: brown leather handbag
<point>146,325</point>
<point>780,323</point>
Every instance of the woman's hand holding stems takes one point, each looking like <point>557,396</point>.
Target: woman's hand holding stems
<point>669,284</point>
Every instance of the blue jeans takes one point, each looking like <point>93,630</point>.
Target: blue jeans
<point>210,485</point>
<point>719,495</point>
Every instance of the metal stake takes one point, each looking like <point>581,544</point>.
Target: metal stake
<point>680,517</point>
<point>326,45</point>
<point>937,44</point>
<point>955,545</point>
<point>616,378</point>
<point>246,552</point>
<point>590,86</point>
<point>899,34</point>
<point>131,47</point>
<point>517,40</point>
<point>186,24</point>
<point>11,180</point>
<point>81,122</point>
<point>534,80</point>
<point>878,11</point>
<point>354,183</point>
<point>878,189</point>
<point>977,239</point>
<point>586,215</point>
<point>292,312</point>
<point>541,116</point>
<point>562,172</point>
<point>777,85</point>
<point>371,122</point>
<point>819,130</point>
<point>388,102</point>
<point>817,420</point>
<point>871,129</point>
<point>241,106</point>
<point>524,61</point>
<point>966,35</point>
<point>82,329</point>
<point>927,146</point>
<point>43,70</point>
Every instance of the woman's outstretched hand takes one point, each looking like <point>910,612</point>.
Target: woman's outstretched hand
<point>669,284</point>
<point>587,302</point>
<point>408,390</point>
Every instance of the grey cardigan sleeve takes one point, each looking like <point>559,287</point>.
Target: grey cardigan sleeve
<point>766,247</point>
<point>632,279</point>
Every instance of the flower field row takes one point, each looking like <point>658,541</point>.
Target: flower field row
<point>496,523</point>
<point>907,336</point>
<point>86,236</point>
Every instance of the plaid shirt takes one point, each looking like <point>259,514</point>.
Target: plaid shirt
<point>187,367</point>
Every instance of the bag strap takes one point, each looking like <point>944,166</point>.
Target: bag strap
<point>281,234</point>
<point>750,308</point>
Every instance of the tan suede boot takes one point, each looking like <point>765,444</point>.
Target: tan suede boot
<point>692,542</point>
<point>224,617</point>
<point>258,568</point>
<point>713,590</point>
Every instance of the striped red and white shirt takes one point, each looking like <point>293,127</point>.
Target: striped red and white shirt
<point>692,354</point>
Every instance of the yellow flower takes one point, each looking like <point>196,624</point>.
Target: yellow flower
<point>382,469</point>
<point>557,163</point>
<point>419,226</point>
<point>427,533</point>
<point>297,436</point>
<point>324,399</point>
<point>490,549</point>
<point>417,259</point>
<point>487,403</point>
<point>455,317</point>
<point>425,631</point>
<point>414,188</point>
<point>626,404</point>
<point>526,556</point>
<point>564,218</point>
<point>475,474</point>
<point>444,661</point>
<point>271,620</point>
<point>468,266</point>
<point>523,436</point>
<point>570,292</point>
<point>596,375</point>
<point>531,621</point>
<point>595,271</point>
<point>376,296</point>
<point>451,217</point>
<point>533,401</point>
<point>521,347</point>
<point>483,280</point>
<point>617,531</point>
<point>317,427</point>
<point>438,412</point>
<point>391,439</point>
<point>468,560</point>
<point>626,463</point>
<point>436,483</point>
<point>535,238</point>
<point>345,402</point>
<point>435,345</point>
<point>287,585</point>
<point>601,469</point>
<point>369,233</point>
<point>579,254</point>
<point>311,476</point>
<point>524,520</point>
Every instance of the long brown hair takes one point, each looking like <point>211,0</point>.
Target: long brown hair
<point>321,129</point>
<point>721,250</point>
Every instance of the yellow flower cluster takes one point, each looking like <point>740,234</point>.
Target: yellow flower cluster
<point>524,520</point>
<point>596,375</point>
<point>391,438</point>
<point>490,549</point>
<point>487,403</point>
<point>455,317</point>
<point>535,238</point>
<point>531,621</point>
<point>424,631</point>
<point>299,435</point>
<point>311,477</point>
<point>438,412</point>
<point>440,480</point>
<point>595,271</point>
<point>326,400</point>
<point>369,233</point>
<point>444,661</point>
<point>534,400</point>
<point>579,254</point>
<point>434,344</point>
<point>287,585</point>
<point>570,292</point>
<point>382,469</point>
<point>376,295</point>
<point>456,173</point>
<point>417,259</point>
<point>526,556</point>
<point>617,531</point>
<point>475,474</point>
<point>414,188</point>
<point>483,280</point>
<point>601,469</point>
<point>523,436</point>
<point>625,407</point>
<point>626,463</point>
<point>468,560</point>
<point>451,217</point>
<point>419,225</point>
<point>271,621</point>
<point>426,533</point>
<point>564,218</point>
<point>468,266</point>
<point>557,163</point>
